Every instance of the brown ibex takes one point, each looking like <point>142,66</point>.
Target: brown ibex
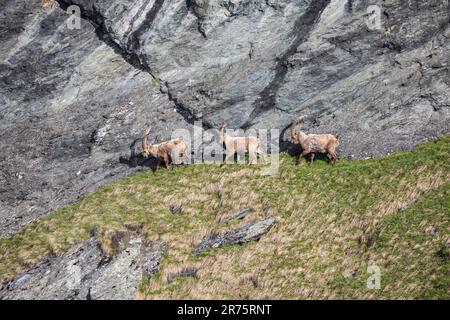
<point>233,145</point>
<point>169,152</point>
<point>314,143</point>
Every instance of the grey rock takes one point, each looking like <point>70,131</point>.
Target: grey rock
<point>118,279</point>
<point>176,209</point>
<point>151,258</point>
<point>72,111</point>
<point>246,233</point>
<point>58,277</point>
<point>85,272</point>
<point>260,64</point>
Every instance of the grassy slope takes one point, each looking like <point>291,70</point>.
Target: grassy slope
<point>332,223</point>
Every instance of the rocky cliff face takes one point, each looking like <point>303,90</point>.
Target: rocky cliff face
<point>86,273</point>
<point>74,101</point>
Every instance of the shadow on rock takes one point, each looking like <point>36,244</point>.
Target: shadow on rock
<point>137,159</point>
<point>293,149</point>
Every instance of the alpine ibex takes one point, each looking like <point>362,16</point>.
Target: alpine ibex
<point>312,143</point>
<point>170,152</point>
<point>233,145</point>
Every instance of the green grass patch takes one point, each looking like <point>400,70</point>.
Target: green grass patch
<point>332,223</point>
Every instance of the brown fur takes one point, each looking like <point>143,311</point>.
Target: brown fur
<point>48,4</point>
<point>233,145</point>
<point>314,143</point>
<point>167,152</point>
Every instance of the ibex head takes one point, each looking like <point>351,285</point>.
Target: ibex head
<point>146,148</point>
<point>294,133</point>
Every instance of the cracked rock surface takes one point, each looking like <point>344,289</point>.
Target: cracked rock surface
<point>86,273</point>
<point>73,103</point>
<point>70,109</point>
